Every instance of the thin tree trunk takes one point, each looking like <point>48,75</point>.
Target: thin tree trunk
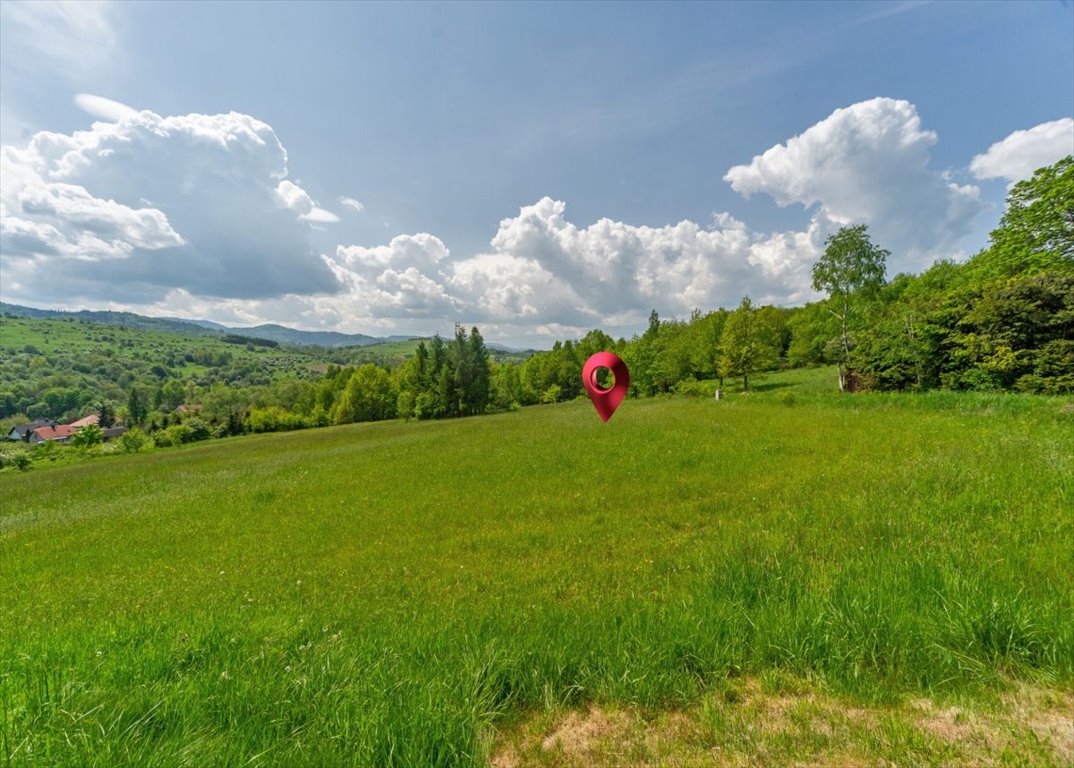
<point>844,367</point>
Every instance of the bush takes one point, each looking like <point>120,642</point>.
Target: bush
<point>19,458</point>
<point>177,434</point>
<point>691,387</point>
<point>87,436</point>
<point>274,419</point>
<point>552,394</point>
<point>133,440</point>
<point>199,430</point>
<point>49,450</point>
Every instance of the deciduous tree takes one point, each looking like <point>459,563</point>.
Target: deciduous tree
<point>851,267</point>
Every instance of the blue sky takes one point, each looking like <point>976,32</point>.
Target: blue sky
<point>537,169</point>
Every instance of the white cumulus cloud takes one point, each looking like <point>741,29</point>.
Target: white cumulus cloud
<point>224,220</point>
<point>1020,154</point>
<point>296,198</point>
<point>196,216</point>
<point>869,163</point>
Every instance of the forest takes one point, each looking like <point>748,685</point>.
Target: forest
<point>1002,320</point>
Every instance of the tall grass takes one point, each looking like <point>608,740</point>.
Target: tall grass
<point>389,594</point>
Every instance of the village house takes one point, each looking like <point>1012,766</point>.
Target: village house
<point>61,433</point>
<point>43,430</point>
<point>23,431</point>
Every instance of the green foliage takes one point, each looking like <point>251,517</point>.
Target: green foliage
<point>851,269</point>
<point>199,429</point>
<point>552,395</point>
<point>170,395</point>
<point>177,434</point>
<point>46,451</point>
<point>748,344</point>
<point>133,440</point>
<point>86,436</point>
<point>1036,233</point>
<point>272,418</point>
<point>367,396</point>
<point>15,456</point>
<point>137,405</point>
<point>1004,320</point>
<point>851,264</point>
<point>106,414</point>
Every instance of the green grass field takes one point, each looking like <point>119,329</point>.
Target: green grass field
<point>783,577</point>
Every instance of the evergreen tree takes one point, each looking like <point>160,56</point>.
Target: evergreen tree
<point>447,392</point>
<point>478,392</point>
<point>137,406</point>
<point>106,414</point>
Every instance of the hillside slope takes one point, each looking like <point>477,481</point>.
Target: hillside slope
<point>390,594</point>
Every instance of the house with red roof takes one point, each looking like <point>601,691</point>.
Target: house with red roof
<point>23,431</point>
<point>60,433</point>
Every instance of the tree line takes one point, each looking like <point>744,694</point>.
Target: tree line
<point>1002,320</point>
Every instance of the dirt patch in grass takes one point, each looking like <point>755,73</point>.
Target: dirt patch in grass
<point>751,722</point>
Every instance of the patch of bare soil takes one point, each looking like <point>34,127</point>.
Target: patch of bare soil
<point>801,728</point>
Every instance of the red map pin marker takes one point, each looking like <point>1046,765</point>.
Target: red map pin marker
<point>606,400</point>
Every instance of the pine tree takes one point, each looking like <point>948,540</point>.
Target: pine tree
<point>106,414</point>
<point>478,393</point>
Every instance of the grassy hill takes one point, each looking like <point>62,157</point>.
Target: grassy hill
<point>277,333</point>
<point>782,577</point>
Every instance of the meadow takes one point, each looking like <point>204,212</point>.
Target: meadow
<point>785,577</point>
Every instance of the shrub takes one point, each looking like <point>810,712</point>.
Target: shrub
<point>273,419</point>
<point>19,458</point>
<point>86,436</point>
<point>47,450</point>
<point>133,440</point>
<point>691,387</point>
<point>199,430</point>
<point>552,394</point>
<point>177,434</point>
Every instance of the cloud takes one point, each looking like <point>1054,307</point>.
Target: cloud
<point>1020,154</point>
<point>546,268</point>
<point>295,198</point>
<point>350,202</point>
<point>868,163</point>
<point>223,220</point>
<point>543,270</point>
<point>105,109</point>
<point>72,35</point>
<point>404,279</point>
<point>195,216</point>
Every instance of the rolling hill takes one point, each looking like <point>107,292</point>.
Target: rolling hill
<point>786,577</point>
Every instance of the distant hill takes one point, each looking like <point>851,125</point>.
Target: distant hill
<point>285,335</point>
<point>272,332</point>
<point>126,319</point>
